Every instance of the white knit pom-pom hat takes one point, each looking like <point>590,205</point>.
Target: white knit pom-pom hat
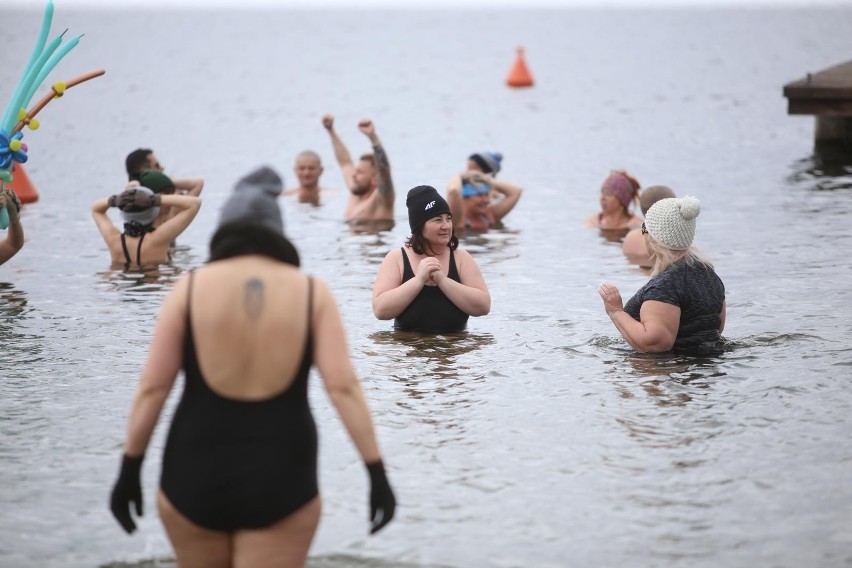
<point>671,222</point>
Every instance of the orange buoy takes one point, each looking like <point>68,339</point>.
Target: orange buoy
<point>519,75</point>
<point>22,185</point>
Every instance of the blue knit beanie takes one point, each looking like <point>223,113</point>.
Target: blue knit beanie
<point>488,161</point>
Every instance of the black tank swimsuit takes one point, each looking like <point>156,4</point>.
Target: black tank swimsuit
<point>431,311</point>
<point>231,464</point>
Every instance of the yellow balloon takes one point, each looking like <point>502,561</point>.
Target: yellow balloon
<point>22,114</point>
<point>59,87</point>
<point>15,145</point>
<point>34,124</point>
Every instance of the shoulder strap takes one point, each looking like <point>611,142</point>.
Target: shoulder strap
<point>189,300</point>
<point>139,249</point>
<point>453,272</point>
<point>307,354</point>
<point>406,265</point>
<point>310,304</point>
<point>124,247</point>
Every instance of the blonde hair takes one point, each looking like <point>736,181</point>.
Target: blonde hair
<point>664,257</point>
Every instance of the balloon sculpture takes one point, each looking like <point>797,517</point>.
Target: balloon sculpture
<point>44,58</point>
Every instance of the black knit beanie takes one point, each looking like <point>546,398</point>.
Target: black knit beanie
<point>424,202</point>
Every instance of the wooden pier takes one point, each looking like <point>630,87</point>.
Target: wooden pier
<point>827,95</point>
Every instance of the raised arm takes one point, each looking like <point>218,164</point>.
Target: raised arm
<point>344,160</point>
<point>511,194</point>
<point>14,240</point>
<point>456,203</point>
<point>471,294</point>
<point>381,158</point>
<point>184,210</point>
<point>102,220</point>
<point>189,186</point>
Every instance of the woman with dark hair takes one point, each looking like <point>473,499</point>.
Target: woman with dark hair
<point>430,285</point>
<point>239,477</point>
<point>141,243</point>
<point>682,307</point>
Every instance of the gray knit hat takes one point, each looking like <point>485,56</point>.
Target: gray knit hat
<point>671,221</point>
<point>255,198</point>
<point>144,217</point>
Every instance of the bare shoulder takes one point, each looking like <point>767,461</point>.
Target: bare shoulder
<point>179,294</point>
<point>463,257</point>
<point>394,254</point>
<point>461,253</point>
<point>392,263</point>
<point>321,289</point>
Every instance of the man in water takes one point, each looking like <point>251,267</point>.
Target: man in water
<point>369,182</point>
<point>308,170</point>
<point>143,159</point>
<point>634,246</point>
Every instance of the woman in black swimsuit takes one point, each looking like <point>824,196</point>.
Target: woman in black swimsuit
<point>239,478</point>
<point>140,244</point>
<point>430,285</point>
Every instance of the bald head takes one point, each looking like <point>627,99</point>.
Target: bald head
<point>308,155</point>
<point>652,194</point>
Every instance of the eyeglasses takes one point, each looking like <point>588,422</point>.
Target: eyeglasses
<point>644,230</point>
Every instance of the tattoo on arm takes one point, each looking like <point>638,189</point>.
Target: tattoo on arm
<point>253,298</point>
<point>383,165</point>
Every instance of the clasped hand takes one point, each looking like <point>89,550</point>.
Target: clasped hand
<point>476,177</point>
<point>430,269</point>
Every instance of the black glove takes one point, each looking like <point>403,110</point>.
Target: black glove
<point>382,501</point>
<point>127,490</point>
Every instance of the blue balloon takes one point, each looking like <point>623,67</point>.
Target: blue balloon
<point>6,153</point>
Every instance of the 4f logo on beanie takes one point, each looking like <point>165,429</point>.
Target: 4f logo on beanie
<point>429,205</point>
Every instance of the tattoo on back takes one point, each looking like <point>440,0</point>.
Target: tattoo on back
<point>253,298</point>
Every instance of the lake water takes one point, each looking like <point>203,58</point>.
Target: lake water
<point>537,438</point>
